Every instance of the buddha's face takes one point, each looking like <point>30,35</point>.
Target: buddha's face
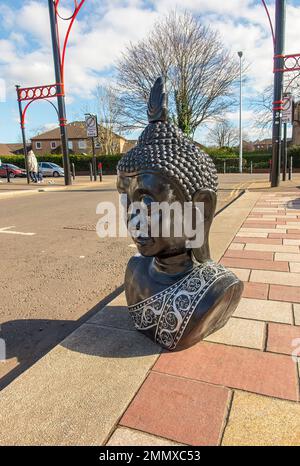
<point>148,188</point>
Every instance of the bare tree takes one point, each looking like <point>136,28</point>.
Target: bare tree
<point>109,118</point>
<point>199,71</point>
<point>262,106</point>
<point>223,134</point>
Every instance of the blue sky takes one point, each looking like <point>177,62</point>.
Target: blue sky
<point>102,31</point>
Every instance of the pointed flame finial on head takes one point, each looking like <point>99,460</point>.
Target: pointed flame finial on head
<point>157,104</point>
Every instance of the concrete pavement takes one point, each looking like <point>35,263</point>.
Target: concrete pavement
<point>55,271</point>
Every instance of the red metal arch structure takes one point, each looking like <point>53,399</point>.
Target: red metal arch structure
<point>49,91</point>
<point>283,63</point>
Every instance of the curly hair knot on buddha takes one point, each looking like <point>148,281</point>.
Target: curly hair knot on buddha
<point>164,148</point>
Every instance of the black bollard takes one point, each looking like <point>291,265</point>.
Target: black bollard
<point>100,171</point>
<point>7,174</point>
<point>73,171</point>
<point>290,168</point>
<point>91,172</point>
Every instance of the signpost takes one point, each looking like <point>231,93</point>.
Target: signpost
<point>287,108</point>
<point>287,117</point>
<point>92,132</point>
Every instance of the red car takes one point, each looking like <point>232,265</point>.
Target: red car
<point>13,170</point>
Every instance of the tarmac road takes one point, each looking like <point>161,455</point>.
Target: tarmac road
<point>56,277</point>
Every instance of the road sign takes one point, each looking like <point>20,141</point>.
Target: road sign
<point>287,109</point>
<point>91,126</point>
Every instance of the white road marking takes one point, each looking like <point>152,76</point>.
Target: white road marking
<point>5,230</point>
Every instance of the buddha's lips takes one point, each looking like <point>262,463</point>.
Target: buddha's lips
<point>143,241</point>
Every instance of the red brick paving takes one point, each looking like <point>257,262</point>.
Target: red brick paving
<point>255,290</point>
<point>244,239</point>
<point>179,409</point>
<point>262,255</point>
<point>290,294</point>
<point>281,266</point>
<point>280,338</point>
<point>259,225</point>
<point>291,219</point>
<point>283,236</point>
<point>274,212</point>
<point>243,368</point>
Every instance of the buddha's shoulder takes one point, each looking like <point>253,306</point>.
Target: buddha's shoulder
<point>138,264</point>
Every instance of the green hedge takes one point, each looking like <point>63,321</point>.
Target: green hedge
<point>81,162</point>
<point>109,162</point>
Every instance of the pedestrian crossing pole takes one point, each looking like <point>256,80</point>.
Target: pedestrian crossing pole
<point>60,92</point>
<point>278,91</point>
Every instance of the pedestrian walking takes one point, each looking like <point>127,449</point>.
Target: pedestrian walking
<point>33,166</point>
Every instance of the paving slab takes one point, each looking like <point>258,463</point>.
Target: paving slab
<point>271,247</point>
<point>290,294</point>
<point>263,421</point>
<point>250,234</point>
<point>183,410</point>
<point>242,274</point>
<point>275,278</point>
<point>256,290</point>
<point>297,313</point>
<point>236,247</point>
<point>287,257</point>
<point>259,264</point>
<point>249,239</point>
<point>281,338</point>
<point>295,267</point>
<point>240,332</point>
<point>243,368</point>
<point>77,392</point>
<point>272,311</point>
<point>132,438</point>
<point>292,242</point>
<point>239,253</point>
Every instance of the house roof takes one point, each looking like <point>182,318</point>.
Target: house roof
<point>263,141</point>
<point>5,150</point>
<point>76,130</point>
<point>16,146</point>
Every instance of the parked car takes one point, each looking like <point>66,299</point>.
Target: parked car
<point>51,169</point>
<point>13,170</point>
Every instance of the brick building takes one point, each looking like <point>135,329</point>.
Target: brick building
<point>50,143</point>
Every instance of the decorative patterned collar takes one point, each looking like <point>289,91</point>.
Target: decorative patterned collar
<point>171,309</point>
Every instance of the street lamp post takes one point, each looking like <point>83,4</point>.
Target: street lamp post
<point>240,54</point>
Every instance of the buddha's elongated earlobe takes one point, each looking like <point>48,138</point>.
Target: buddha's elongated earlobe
<point>209,199</point>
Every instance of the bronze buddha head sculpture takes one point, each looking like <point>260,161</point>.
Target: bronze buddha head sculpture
<point>176,295</point>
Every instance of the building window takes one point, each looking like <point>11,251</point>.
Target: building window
<point>82,144</point>
<point>38,145</point>
<point>53,144</point>
<point>70,145</point>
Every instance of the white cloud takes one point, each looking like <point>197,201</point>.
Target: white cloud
<point>95,43</point>
<point>104,28</point>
